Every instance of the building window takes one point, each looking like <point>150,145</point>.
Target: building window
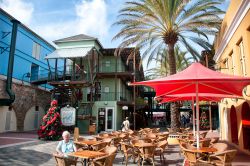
<point>225,66</point>
<point>36,50</point>
<point>107,63</point>
<point>242,59</point>
<point>231,55</point>
<point>106,89</point>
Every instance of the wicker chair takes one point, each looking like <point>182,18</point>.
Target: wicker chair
<point>107,140</point>
<point>128,151</point>
<point>221,147</point>
<point>204,134</point>
<point>205,143</point>
<point>99,146</point>
<point>192,158</point>
<point>63,161</point>
<point>223,158</point>
<point>146,152</point>
<point>160,148</point>
<point>214,140</point>
<point>105,160</point>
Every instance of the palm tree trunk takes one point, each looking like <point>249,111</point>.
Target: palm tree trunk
<point>175,114</point>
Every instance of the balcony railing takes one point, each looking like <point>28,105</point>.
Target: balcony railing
<point>60,75</point>
<point>110,96</point>
<point>111,67</point>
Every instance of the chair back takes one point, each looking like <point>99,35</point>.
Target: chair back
<point>99,146</point>
<point>205,143</point>
<point>125,147</point>
<point>62,161</point>
<point>107,140</point>
<point>204,134</point>
<point>221,147</point>
<point>214,140</point>
<point>109,150</point>
<point>147,151</point>
<point>230,154</point>
<point>189,155</point>
<point>162,144</point>
<point>76,133</point>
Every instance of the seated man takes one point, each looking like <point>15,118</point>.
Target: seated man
<point>66,145</point>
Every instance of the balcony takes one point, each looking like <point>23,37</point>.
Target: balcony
<point>44,76</point>
<point>111,96</point>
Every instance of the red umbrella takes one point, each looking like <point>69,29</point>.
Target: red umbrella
<point>198,79</point>
<point>206,80</point>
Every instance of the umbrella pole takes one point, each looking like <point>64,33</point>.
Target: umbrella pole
<point>197,116</point>
<point>193,116</point>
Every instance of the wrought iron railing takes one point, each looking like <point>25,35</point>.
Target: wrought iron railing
<point>110,96</point>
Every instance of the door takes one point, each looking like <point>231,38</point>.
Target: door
<point>34,72</point>
<point>109,125</point>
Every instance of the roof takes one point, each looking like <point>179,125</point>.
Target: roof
<point>69,53</point>
<point>79,37</point>
<point>35,34</point>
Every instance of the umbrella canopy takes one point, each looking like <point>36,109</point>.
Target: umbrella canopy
<point>191,96</point>
<point>208,81</point>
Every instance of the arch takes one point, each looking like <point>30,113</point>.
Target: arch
<point>33,118</point>
<point>245,113</point>
<point>234,125</point>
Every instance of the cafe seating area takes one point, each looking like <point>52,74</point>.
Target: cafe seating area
<point>145,146</point>
<point>210,151</point>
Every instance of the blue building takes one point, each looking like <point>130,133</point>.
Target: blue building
<point>22,103</point>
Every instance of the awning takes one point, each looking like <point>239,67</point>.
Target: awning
<point>69,53</point>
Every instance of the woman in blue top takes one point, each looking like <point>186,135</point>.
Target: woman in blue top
<point>66,145</point>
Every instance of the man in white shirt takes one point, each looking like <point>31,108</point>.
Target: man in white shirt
<point>125,124</point>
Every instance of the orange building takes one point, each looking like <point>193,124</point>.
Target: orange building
<point>232,56</point>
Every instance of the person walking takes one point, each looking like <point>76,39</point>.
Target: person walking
<point>125,125</point>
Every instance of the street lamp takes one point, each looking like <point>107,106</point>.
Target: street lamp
<point>25,75</point>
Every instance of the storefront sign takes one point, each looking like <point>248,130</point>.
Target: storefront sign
<point>68,116</point>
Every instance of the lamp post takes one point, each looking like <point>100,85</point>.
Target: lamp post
<point>134,88</point>
<point>25,75</point>
<point>206,53</point>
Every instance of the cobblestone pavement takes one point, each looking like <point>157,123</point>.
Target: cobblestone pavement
<point>38,153</point>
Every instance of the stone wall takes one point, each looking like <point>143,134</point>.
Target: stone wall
<point>26,97</point>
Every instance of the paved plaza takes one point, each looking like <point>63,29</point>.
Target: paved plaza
<point>24,149</point>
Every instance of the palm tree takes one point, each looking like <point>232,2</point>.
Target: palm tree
<point>161,63</point>
<point>151,25</point>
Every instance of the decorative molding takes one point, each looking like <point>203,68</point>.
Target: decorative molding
<point>243,9</point>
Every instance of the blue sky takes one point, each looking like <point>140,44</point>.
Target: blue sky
<point>56,19</point>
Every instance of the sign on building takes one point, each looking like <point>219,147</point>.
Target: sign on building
<point>68,116</point>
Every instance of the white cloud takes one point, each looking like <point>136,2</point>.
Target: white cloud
<point>90,19</point>
<point>19,9</point>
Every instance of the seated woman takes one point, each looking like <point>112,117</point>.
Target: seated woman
<point>66,145</point>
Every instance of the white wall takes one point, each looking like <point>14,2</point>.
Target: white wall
<point>29,121</point>
<point>4,110</point>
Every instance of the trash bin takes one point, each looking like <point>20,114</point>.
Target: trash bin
<point>92,128</point>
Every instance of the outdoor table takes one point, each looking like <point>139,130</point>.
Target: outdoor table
<point>143,144</point>
<point>204,150</point>
<point>87,142</point>
<point>86,155</point>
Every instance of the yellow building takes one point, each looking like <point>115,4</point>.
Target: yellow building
<point>232,56</point>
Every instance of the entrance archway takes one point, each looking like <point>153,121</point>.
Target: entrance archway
<point>245,113</point>
<point>234,128</point>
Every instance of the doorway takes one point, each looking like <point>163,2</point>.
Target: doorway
<point>106,119</point>
<point>234,124</point>
<point>245,113</point>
